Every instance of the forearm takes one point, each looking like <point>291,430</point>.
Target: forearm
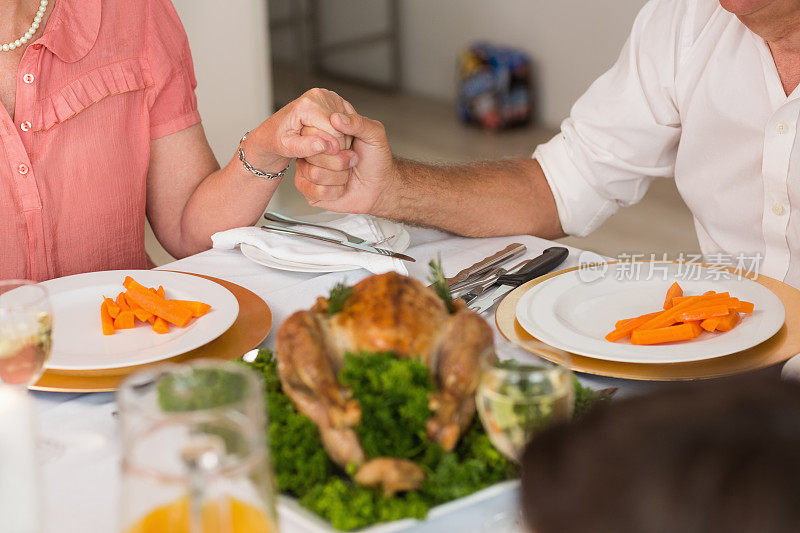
<point>189,198</point>
<point>503,197</point>
<point>230,197</point>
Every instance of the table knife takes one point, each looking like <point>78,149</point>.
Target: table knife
<point>550,259</point>
<point>474,287</point>
<point>352,245</point>
<point>505,255</point>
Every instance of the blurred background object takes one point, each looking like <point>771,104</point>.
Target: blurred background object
<point>397,61</point>
<point>494,87</point>
<point>194,452</point>
<point>714,455</point>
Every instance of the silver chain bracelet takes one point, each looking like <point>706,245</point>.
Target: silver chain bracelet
<point>254,170</point>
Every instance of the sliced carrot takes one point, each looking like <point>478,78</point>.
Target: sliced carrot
<point>712,299</point>
<point>629,325</point>
<point>619,323</point>
<point>179,304</point>
<point>160,325</point>
<point>155,304</point>
<point>124,320</point>
<point>706,296</point>
<point>683,318</point>
<point>122,302</point>
<point>680,332</point>
<point>161,292</point>
<point>111,306</point>
<point>669,316</point>
<point>702,313</point>
<point>141,314</point>
<point>673,292</point>
<point>105,318</point>
<point>198,309</point>
<point>729,322</point>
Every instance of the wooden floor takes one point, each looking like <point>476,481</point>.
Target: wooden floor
<point>427,130</point>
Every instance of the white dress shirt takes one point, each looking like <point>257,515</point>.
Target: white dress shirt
<point>696,96</point>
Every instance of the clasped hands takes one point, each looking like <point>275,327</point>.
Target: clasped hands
<point>343,160</point>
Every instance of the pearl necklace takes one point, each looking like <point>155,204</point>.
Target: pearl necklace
<point>37,20</point>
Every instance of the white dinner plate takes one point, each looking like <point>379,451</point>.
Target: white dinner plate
<point>78,340</point>
<point>574,314</point>
<point>398,243</point>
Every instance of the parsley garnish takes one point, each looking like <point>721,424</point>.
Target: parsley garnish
<point>440,285</point>
<point>339,295</point>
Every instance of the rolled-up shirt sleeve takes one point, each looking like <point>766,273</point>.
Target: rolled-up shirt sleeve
<point>624,131</point>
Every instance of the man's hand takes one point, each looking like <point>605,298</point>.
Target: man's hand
<point>300,129</point>
<point>359,185</point>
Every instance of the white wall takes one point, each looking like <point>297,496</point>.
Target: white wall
<point>230,48</point>
<point>570,41</point>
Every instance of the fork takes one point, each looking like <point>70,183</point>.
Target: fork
<point>277,217</point>
<point>357,246</point>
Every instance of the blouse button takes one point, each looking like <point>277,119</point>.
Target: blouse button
<point>778,209</point>
<point>781,128</point>
<point>28,78</point>
<point>37,46</point>
<point>25,126</point>
<point>22,168</point>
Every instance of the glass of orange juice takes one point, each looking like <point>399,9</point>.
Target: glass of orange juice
<point>195,459</point>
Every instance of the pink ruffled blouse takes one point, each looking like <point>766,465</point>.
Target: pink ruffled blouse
<point>102,81</point>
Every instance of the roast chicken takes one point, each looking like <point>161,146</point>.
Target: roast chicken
<point>384,313</point>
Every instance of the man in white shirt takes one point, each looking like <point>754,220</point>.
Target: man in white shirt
<point>704,91</point>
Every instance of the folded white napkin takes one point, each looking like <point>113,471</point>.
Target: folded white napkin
<point>310,252</point>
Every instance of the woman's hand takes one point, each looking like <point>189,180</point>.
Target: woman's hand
<point>300,129</point>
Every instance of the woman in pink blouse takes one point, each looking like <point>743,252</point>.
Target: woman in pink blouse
<point>99,127</point>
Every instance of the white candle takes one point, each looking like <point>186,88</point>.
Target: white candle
<point>19,473</point>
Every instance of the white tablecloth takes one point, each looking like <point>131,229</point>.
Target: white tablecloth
<point>81,451</point>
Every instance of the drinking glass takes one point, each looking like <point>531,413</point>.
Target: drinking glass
<point>25,331</point>
<point>195,458</point>
<point>20,484</point>
<point>520,394</point>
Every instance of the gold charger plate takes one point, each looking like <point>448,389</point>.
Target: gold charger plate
<point>777,349</point>
<point>252,326</point>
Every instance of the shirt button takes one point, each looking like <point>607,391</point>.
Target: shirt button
<point>781,128</point>
<point>28,78</point>
<point>22,168</point>
<point>25,126</point>
<point>778,209</point>
<point>37,46</point>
